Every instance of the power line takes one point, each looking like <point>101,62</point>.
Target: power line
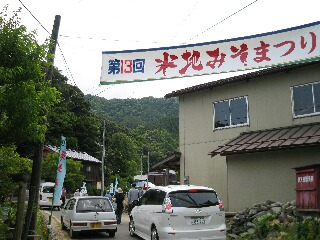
<point>35,17</point>
<point>223,20</point>
<point>105,39</point>
<point>193,8</point>
<point>62,54</point>
<point>66,65</point>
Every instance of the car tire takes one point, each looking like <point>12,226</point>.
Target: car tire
<point>154,234</point>
<point>63,227</point>
<point>132,228</point>
<point>71,232</point>
<point>112,234</point>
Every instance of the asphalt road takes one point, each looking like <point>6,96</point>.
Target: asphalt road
<point>122,233</point>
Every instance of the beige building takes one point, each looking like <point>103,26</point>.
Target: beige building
<point>243,135</point>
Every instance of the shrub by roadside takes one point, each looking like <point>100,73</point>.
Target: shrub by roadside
<point>7,223</point>
<point>272,221</point>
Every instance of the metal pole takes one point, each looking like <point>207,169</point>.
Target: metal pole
<point>148,170</point>
<point>103,156</point>
<point>141,164</point>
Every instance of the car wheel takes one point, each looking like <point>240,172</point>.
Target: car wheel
<point>63,227</point>
<point>112,234</point>
<point>71,232</point>
<point>132,228</point>
<point>154,234</point>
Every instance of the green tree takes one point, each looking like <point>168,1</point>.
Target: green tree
<point>124,162</point>
<point>74,119</point>
<point>73,177</point>
<point>159,143</point>
<point>11,163</point>
<point>24,96</point>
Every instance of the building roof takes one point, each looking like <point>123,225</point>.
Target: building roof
<point>239,78</point>
<point>272,139</point>
<point>171,162</point>
<point>73,154</point>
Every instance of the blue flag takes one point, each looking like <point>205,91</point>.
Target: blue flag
<point>61,170</point>
<point>116,186</point>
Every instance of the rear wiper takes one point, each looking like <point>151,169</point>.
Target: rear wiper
<point>209,204</point>
<point>196,205</point>
<point>100,206</point>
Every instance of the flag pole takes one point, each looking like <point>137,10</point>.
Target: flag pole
<point>61,171</point>
<point>103,156</point>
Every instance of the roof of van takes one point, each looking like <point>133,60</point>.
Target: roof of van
<point>170,188</point>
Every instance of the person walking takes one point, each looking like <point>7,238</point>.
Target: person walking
<point>63,196</point>
<point>108,195</point>
<point>119,198</point>
<point>133,194</point>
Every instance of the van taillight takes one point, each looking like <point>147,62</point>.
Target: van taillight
<point>221,207</point>
<point>167,206</point>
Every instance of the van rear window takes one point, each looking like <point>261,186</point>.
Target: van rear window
<point>196,199</point>
<point>48,189</point>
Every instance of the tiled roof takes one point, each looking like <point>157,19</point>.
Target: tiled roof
<point>73,154</point>
<point>272,139</point>
<point>239,78</point>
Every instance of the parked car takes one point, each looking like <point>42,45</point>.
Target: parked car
<point>89,213</point>
<point>46,195</point>
<point>178,212</point>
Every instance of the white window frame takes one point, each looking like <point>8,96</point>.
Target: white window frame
<point>314,106</point>
<point>231,126</point>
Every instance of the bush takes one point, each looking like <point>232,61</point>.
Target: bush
<point>93,191</point>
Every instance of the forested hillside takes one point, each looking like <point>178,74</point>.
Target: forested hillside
<point>153,113</point>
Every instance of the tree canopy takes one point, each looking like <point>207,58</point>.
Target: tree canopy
<point>24,95</point>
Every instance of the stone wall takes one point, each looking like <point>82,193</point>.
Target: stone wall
<point>242,222</point>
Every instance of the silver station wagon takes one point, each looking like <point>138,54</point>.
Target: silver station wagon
<point>89,213</point>
<point>178,212</point>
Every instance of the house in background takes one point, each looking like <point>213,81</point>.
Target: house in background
<point>244,135</point>
<point>91,167</point>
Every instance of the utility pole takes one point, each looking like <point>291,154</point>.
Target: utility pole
<point>141,164</point>
<point>103,156</point>
<point>31,215</point>
<point>148,170</point>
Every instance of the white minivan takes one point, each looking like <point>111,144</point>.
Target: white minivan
<point>46,195</point>
<point>178,212</point>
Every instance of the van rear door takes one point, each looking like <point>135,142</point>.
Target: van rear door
<point>195,209</point>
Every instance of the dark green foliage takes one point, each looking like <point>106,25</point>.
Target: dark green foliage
<point>73,177</point>
<point>11,163</point>
<point>72,117</point>
<point>24,96</point>
<point>153,113</point>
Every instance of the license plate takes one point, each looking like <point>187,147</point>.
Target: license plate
<point>50,199</point>
<point>95,225</point>
<point>198,220</point>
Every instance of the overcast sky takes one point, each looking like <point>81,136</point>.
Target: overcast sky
<point>89,27</point>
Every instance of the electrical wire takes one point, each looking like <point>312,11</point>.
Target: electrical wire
<point>105,39</point>
<point>34,17</point>
<point>224,19</point>
<point>117,40</point>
